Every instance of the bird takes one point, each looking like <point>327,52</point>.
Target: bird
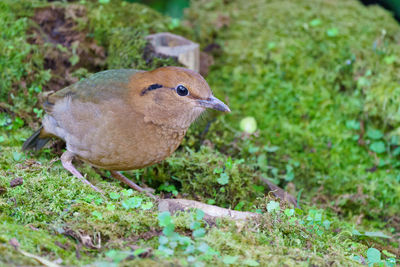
<point>124,119</point>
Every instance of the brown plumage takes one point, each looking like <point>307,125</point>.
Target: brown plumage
<point>124,119</point>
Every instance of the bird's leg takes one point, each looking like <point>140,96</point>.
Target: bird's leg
<point>66,160</point>
<point>122,178</point>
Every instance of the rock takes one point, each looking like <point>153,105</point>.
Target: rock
<point>172,45</point>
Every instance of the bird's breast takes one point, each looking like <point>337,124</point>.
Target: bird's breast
<point>142,146</point>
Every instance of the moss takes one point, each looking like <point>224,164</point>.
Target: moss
<point>124,38</point>
<point>294,78</point>
<point>303,72</point>
<point>210,176</point>
<point>21,75</point>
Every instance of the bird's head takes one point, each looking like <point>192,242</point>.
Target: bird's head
<point>174,96</point>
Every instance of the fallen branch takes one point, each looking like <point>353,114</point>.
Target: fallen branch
<point>279,192</point>
<point>211,212</point>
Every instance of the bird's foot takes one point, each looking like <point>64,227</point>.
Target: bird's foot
<point>66,160</point>
<point>119,176</point>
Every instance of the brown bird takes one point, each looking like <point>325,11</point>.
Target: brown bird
<point>124,119</point>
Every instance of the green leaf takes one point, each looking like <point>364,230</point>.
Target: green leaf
<point>74,59</point>
<point>315,22</point>
<point>163,240</point>
<point>104,1</point>
<point>271,45</point>
<point>271,149</point>
<point>363,82</point>
<point>390,262</point>
<point>199,214</point>
<point>127,192</point>
<point>273,206</point>
<point>240,205</point>
<point>258,188</point>
<point>169,229</point>
<point>98,201</point>
<point>373,256</point>
<point>89,198</point>
<point>289,173</point>
<point>376,234</point>
<point>396,151</point>
<point>2,139</point>
<point>203,247</point>
<point>332,32</point>
<point>326,224</point>
<point>378,147</point>
<point>250,262</point>
<point>353,124</point>
<point>223,179</point>
<point>114,195</point>
<point>164,218</point>
<point>166,251</point>
<point>110,207</point>
<point>147,206</point>
<point>357,258</point>
<point>229,163</point>
<point>389,59</point>
<point>132,203</point>
<point>199,232</point>
<point>211,201</point>
<point>17,156</point>
<point>230,259</point>
<point>374,134</point>
<point>289,212</point>
<point>388,254</point>
<point>18,123</point>
<point>97,214</point>
<point>299,211</point>
<point>174,23</point>
<point>195,225</point>
<point>218,170</point>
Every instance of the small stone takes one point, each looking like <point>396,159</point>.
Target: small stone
<point>16,182</point>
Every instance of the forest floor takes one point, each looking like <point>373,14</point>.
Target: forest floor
<point>313,89</point>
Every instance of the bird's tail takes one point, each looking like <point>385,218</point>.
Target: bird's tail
<point>36,141</point>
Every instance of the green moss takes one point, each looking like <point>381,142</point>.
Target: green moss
<point>121,27</point>
<point>21,75</point>
<point>303,72</point>
<point>291,73</point>
<point>210,176</point>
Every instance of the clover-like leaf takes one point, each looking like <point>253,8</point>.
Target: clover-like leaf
<point>378,147</point>
<point>223,179</point>
<point>373,256</point>
<point>374,134</point>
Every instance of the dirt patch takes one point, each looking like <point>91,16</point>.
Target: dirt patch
<point>66,45</point>
<point>146,235</point>
<point>16,182</point>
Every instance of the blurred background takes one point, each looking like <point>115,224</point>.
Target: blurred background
<point>174,8</point>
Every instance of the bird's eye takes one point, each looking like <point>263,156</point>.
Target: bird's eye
<point>182,90</point>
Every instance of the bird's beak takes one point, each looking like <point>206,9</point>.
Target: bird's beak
<point>214,103</point>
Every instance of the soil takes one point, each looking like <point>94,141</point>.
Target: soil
<point>67,46</point>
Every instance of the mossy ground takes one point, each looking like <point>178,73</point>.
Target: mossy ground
<point>321,80</point>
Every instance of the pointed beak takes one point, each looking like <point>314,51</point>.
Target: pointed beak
<point>214,103</point>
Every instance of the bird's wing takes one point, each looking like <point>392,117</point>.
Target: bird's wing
<point>97,88</point>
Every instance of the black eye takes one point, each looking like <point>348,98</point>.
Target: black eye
<point>182,90</point>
